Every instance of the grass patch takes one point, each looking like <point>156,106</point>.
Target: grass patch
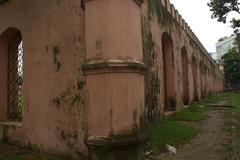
<point>193,113</point>
<point>213,99</point>
<point>232,148</point>
<point>188,116</point>
<point>170,132</point>
<point>218,97</point>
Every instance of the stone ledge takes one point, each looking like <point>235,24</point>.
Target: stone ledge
<point>11,123</point>
<point>115,142</point>
<point>6,128</point>
<point>101,66</point>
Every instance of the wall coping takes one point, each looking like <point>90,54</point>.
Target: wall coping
<point>118,141</point>
<point>175,15</point>
<point>139,2</point>
<point>101,66</point>
<point>11,123</point>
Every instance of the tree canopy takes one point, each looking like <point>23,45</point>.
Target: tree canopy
<point>221,9</point>
<point>232,67</point>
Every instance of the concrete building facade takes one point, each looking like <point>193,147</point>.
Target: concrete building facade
<point>224,45</point>
<point>96,73</point>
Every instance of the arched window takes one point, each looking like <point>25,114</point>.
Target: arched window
<point>11,81</point>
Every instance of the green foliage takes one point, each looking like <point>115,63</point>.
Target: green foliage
<point>221,8</point>
<point>232,67</point>
<point>20,107</point>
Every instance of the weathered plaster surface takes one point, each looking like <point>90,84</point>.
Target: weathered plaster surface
<point>97,73</point>
<point>54,47</point>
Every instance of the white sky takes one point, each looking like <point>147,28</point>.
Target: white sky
<point>198,16</point>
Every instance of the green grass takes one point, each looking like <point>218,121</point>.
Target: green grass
<point>193,113</point>
<point>232,148</point>
<point>188,116</point>
<point>170,132</point>
<point>232,126</point>
<point>173,132</point>
<point>234,98</point>
<point>213,99</point>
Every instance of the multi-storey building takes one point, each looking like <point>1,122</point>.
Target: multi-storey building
<point>224,44</point>
<point>213,55</point>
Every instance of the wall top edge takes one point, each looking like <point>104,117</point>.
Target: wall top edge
<point>189,31</point>
<point>139,2</point>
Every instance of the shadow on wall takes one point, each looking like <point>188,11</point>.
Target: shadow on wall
<point>185,76</point>
<point>194,75</point>
<point>168,66</point>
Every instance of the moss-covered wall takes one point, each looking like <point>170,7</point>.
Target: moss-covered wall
<point>156,20</point>
<point>54,118</point>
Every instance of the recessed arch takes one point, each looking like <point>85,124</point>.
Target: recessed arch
<point>204,70</point>
<point>194,78</point>
<point>201,73</point>
<point>11,79</point>
<point>168,66</point>
<point>185,76</point>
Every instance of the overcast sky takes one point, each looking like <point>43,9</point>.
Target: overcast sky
<point>198,16</point>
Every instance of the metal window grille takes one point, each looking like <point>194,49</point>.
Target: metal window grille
<point>15,77</point>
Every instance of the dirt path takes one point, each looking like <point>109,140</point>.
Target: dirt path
<point>209,145</point>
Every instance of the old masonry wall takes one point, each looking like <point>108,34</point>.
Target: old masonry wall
<point>98,72</point>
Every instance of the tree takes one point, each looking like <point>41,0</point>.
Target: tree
<point>232,68</point>
<point>221,9</point>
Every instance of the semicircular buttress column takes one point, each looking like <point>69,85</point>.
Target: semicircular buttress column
<point>114,72</point>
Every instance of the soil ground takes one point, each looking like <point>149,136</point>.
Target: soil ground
<point>210,144</point>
